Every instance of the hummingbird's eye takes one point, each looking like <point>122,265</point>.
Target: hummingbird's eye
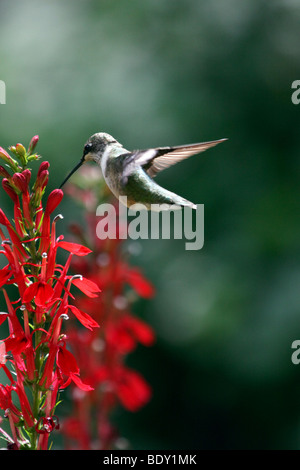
<point>87,148</point>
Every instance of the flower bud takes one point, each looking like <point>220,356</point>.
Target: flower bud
<point>4,173</point>
<point>33,144</point>
<point>27,174</point>
<point>7,158</point>
<point>54,199</point>
<point>9,189</point>
<point>32,157</point>
<point>43,166</point>
<point>20,149</point>
<point>21,153</point>
<point>20,182</point>
<point>13,149</point>
<point>42,179</point>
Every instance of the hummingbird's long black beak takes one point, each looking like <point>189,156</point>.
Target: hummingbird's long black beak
<point>73,171</point>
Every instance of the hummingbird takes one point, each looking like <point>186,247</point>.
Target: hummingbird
<point>129,174</point>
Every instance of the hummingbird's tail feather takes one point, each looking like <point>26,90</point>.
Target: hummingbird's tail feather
<point>172,205</point>
<point>189,204</point>
<point>185,203</point>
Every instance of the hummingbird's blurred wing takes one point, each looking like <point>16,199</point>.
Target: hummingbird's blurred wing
<point>155,160</point>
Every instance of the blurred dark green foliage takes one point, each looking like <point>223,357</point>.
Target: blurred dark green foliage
<point>160,72</point>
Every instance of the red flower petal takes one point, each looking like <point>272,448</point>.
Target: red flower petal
<point>140,284</point>
<point>77,380</point>
<point>4,276</point>
<point>120,339</point>
<point>87,286</point>
<point>17,343</point>
<point>5,396</point>
<point>44,294</point>
<point>40,292</point>
<point>3,316</point>
<point>75,248</point>
<point>72,427</point>
<point>133,391</point>
<point>66,361</point>
<point>140,330</point>
<point>30,292</point>
<point>85,319</point>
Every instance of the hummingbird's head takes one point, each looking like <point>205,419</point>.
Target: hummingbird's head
<point>93,150</point>
<point>96,145</point>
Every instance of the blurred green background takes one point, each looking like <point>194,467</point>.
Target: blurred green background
<point>164,72</point>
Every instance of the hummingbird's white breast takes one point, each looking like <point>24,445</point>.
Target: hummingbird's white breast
<point>109,167</point>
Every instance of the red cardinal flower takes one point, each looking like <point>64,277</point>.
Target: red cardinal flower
<point>101,352</point>
<point>132,390</point>
<point>135,279</point>
<point>139,329</point>
<point>40,292</point>
<point>34,356</point>
<point>68,366</point>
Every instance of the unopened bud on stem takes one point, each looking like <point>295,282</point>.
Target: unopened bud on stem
<point>33,144</point>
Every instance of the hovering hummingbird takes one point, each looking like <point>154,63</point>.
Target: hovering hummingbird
<point>131,173</point>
